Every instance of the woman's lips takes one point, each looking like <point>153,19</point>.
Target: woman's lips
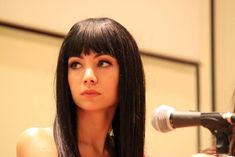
<point>90,93</point>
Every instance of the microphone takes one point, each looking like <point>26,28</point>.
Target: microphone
<point>166,118</point>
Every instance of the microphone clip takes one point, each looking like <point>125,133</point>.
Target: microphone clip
<point>220,128</point>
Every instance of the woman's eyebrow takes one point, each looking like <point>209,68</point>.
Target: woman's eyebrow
<point>101,54</point>
<point>81,57</point>
<point>98,54</point>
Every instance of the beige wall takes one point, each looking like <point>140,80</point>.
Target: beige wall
<point>156,24</point>
<point>176,28</point>
<point>27,67</point>
<point>225,54</point>
<point>170,84</point>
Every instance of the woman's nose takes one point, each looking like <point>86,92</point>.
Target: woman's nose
<point>89,78</point>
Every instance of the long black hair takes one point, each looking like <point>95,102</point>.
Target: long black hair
<point>103,35</point>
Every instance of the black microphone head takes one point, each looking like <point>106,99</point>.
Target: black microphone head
<point>161,118</point>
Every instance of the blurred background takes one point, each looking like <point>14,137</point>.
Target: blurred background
<point>187,47</point>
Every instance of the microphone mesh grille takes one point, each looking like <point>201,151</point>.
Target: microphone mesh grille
<point>161,118</point>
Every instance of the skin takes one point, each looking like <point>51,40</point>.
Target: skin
<point>203,155</point>
<point>93,80</point>
<point>209,152</point>
<point>36,142</point>
<point>98,77</point>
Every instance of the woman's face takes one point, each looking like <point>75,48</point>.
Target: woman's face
<point>94,80</point>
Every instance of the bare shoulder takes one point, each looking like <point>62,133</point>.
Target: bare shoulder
<point>208,152</point>
<point>202,155</point>
<point>36,142</point>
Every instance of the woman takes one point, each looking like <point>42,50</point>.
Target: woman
<point>100,96</point>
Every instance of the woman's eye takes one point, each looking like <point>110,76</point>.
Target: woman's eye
<point>104,63</point>
<point>75,65</point>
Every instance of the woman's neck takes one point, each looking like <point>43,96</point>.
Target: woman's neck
<point>93,128</point>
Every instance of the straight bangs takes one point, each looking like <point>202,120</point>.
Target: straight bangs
<point>90,36</point>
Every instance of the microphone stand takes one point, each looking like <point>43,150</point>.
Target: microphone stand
<point>220,128</point>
